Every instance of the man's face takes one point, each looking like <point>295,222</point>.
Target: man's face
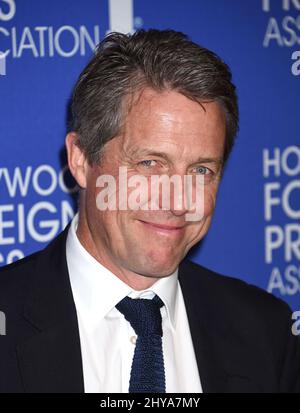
<point>164,133</point>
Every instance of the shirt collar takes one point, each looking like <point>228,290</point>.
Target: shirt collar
<point>97,290</point>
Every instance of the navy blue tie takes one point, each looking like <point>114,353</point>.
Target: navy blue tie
<point>147,370</point>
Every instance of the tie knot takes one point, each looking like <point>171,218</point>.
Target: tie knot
<point>143,315</point>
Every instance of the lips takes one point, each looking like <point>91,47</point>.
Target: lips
<point>163,227</point>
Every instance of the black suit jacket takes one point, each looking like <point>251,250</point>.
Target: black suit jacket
<point>241,334</point>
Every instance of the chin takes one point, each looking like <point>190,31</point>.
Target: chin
<point>160,264</point>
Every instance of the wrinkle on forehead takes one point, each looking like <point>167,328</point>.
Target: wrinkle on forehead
<point>171,122</point>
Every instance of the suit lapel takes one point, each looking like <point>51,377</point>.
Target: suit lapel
<point>50,360</point>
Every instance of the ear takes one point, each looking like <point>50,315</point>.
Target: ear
<point>77,160</point>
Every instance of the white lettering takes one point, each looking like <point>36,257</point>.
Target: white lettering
<point>11,11</point>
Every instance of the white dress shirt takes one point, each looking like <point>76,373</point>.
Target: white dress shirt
<point>107,338</point>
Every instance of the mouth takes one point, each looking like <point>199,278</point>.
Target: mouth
<point>163,228</point>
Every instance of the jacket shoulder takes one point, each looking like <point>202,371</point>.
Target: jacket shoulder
<point>18,277</point>
<point>234,294</point>
<point>15,279</point>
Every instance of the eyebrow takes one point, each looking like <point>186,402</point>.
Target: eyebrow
<point>149,152</point>
<point>210,160</point>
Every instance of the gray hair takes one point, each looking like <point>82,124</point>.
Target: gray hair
<point>161,59</point>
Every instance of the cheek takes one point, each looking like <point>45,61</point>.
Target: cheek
<point>91,190</point>
<point>198,230</point>
<point>209,205</point>
<point>210,196</point>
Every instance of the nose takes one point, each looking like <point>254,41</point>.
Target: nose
<point>177,202</point>
<point>177,194</point>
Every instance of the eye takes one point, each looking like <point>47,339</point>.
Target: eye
<point>148,163</point>
<point>203,170</point>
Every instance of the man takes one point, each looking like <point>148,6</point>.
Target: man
<point>111,305</point>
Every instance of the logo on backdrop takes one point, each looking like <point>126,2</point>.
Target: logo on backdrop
<point>65,41</point>
<point>281,171</point>
<point>284,31</point>
<point>121,16</point>
<point>30,213</point>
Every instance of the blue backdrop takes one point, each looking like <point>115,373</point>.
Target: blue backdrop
<point>43,47</point>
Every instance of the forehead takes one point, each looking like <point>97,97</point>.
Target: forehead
<point>170,121</point>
